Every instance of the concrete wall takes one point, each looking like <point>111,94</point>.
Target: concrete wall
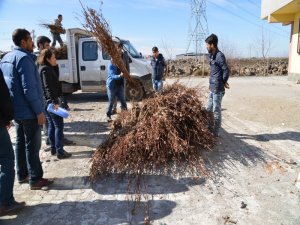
<point>294,67</point>
<point>270,6</point>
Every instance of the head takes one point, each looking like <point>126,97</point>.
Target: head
<point>47,57</point>
<point>59,17</point>
<point>155,52</point>
<point>211,43</point>
<point>22,38</point>
<point>43,42</point>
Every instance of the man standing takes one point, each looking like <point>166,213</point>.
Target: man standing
<point>23,80</point>
<point>7,158</point>
<point>115,85</point>
<point>158,64</point>
<point>219,75</point>
<point>56,32</point>
<point>127,60</point>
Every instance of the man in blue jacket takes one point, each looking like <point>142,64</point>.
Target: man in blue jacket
<point>158,65</point>
<point>115,85</point>
<point>7,159</point>
<point>219,75</point>
<point>23,81</point>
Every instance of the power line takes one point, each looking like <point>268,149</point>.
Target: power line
<point>249,21</point>
<point>250,13</point>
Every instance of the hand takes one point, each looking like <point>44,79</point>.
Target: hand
<point>41,118</point>
<point>55,106</point>
<point>226,85</point>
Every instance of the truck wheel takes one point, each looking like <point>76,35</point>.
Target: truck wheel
<point>135,93</point>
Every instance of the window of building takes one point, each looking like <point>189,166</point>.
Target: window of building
<point>90,51</point>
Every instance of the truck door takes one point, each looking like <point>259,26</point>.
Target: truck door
<point>89,65</point>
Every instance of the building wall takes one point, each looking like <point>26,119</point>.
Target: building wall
<point>270,6</point>
<point>294,70</point>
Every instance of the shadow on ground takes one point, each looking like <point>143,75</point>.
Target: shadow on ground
<point>99,212</point>
<point>288,135</point>
<point>230,153</point>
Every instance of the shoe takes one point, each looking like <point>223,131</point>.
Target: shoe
<point>68,142</point>
<point>108,119</point>
<point>41,184</point>
<point>4,210</point>
<point>64,155</point>
<point>47,141</point>
<point>114,111</point>
<point>25,180</point>
<point>53,153</point>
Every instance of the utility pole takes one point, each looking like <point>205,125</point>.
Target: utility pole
<point>198,29</point>
<point>33,36</point>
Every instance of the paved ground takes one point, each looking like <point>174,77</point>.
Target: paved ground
<point>255,168</point>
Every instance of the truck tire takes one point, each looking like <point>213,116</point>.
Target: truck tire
<point>136,92</point>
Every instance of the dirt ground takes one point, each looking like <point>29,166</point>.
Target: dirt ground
<point>255,168</point>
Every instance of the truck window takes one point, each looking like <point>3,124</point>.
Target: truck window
<point>89,51</point>
<point>105,56</point>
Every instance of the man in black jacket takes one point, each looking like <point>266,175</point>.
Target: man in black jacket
<point>219,74</point>
<point>7,158</point>
<point>159,66</point>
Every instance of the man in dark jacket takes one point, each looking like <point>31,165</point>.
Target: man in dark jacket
<point>158,64</point>
<point>23,81</point>
<point>7,158</point>
<point>219,75</point>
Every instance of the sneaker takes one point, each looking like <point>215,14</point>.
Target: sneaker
<point>108,119</point>
<point>64,155</point>
<point>6,209</point>
<point>68,142</point>
<point>41,184</point>
<point>24,180</point>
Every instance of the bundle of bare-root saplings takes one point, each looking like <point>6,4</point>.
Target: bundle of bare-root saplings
<point>163,134</point>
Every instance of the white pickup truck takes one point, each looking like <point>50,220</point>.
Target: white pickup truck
<point>86,66</point>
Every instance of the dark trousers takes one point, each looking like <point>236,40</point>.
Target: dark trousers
<point>55,132</point>
<point>7,171</point>
<point>28,144</point>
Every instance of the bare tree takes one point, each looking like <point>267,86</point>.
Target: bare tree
<point>263,44</point>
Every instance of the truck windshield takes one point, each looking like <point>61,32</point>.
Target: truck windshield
<point>129,48</point>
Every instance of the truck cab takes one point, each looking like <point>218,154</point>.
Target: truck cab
<point>86,66</point>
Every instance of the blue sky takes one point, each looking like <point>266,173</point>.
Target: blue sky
<point>164,23</point>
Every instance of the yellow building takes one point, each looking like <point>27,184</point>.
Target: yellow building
<point>286,12</point>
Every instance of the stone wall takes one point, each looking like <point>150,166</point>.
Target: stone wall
<point>238,67</point>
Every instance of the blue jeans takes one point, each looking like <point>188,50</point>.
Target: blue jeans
<point>214,106</point>
<point>55,132</point>
<point>157,85</point>
<point>28,144</point>
<point>112,94</point>
<point>7,171</point>
<point>56,37</point>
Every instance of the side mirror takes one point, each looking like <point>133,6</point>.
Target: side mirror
<point>141,55</point>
